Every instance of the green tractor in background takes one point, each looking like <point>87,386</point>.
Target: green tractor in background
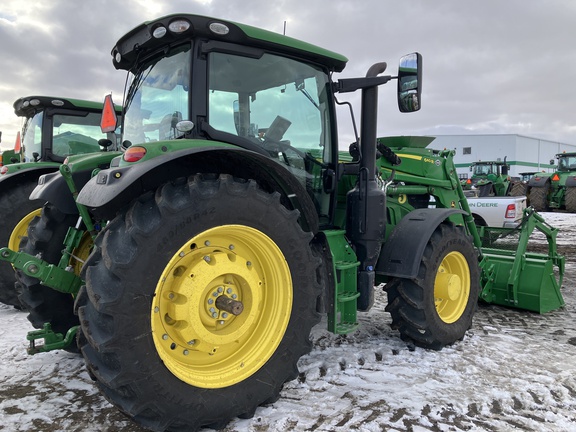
<point>556,190</point>
<point>8,157</point>
<point>491,178</point>
<point>53,129</point>
<point>233,221</point>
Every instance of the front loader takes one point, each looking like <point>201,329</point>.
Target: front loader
<point>234,222</point>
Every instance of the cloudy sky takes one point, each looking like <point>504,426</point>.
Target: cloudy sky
<point>490,67</point>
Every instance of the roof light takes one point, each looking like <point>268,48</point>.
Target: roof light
<point>179,26</point>
<point>159,32</point>
<point>134,154</point>
<point>219,28</point>
<point>34,102</point>
<point>117,57</point>
<point>57,102</point>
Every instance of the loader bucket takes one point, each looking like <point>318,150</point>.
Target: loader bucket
<point>521,267</point>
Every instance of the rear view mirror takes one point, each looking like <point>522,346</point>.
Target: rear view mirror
<point>410,82</point>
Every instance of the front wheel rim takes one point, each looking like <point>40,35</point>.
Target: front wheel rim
<point>452,287</point>
<point>199,340</point>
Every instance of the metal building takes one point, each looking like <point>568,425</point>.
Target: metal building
<point>522,153</point>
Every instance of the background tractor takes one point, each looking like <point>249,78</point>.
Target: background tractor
<point>53,129</point>
<point>234,222</point>
<point>556,190</point>
<point>491,178</point>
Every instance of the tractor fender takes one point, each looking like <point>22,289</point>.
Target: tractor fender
<point>27,174</point>
<point>538,181</point>
<point>402,253</point>
<point>112,189</point>
<point>570,181</point>
<point>53,188</point>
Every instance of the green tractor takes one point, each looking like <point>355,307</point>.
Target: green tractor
<point>490,178</point>
<point>557,190</point>
<point>233,222</point>
<point>53,129</point>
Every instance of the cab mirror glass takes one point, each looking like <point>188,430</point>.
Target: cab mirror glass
<point>410,82</point>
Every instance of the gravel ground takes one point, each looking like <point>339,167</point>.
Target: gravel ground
<point>514,370</point>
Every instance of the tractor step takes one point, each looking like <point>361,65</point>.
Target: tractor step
<point>52,340</point>
<point>342,316</point>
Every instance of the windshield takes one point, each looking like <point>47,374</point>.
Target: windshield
<point>158,99</point>
<point>567,163</point>
<point>268,100</point>
<point>483,169</point>
<point>32,137</point>
<point>73,134</point>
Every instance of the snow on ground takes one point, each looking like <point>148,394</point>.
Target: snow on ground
<point>514,370</point>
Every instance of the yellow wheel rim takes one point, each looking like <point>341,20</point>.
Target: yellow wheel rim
<point>221,306</point>
<point>21,230</point>
<point>452,287</point>
<point>81,252</point>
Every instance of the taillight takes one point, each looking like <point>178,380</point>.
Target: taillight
<point>4,170</point>
<point>511,211</point>
<point>134,154</point>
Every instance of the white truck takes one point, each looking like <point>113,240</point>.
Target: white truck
<point>497,211</point>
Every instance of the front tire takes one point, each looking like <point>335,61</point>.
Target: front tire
<point>436,308</point>
<point>153,335</point>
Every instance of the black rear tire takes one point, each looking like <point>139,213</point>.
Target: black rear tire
<point>130,330</point>
<point>436,308</point>
<point>518,189</point>
<point>570,199</point>
<point>486,190</point>
<point>15,205</point>
<point>46,236</point>
<point>539,198</point>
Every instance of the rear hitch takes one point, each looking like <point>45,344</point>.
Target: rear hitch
<point>52,340</point>
<point>51,275</point>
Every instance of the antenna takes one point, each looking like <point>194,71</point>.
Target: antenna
<point>284,28</point>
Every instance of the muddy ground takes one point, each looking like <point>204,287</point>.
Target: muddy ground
<point>514,370</point>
